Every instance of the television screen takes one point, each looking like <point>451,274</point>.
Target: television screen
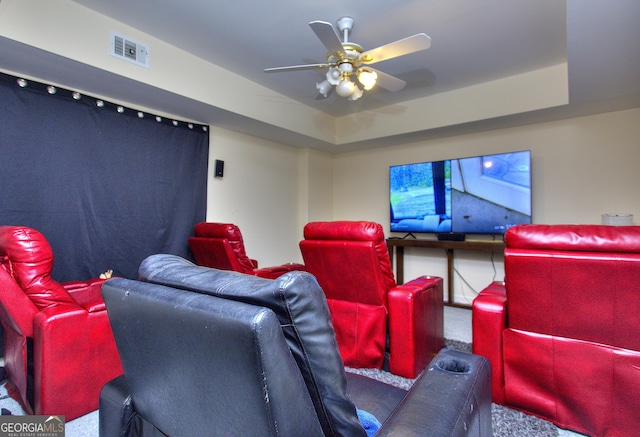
<point>420,196</point>
<point>478,195</point>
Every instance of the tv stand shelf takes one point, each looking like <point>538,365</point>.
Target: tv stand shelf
<point>449,247</point>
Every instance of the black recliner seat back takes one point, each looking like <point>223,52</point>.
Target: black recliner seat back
<point>243,379</point>
<point>301,308</point>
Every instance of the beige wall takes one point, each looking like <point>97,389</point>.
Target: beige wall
<point>582,167</point>
<point>537,89</point>
<point>316,186</point>
<point>271,191</point>
<point>259,192</point>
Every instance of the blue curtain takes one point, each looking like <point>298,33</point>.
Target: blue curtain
<point>106,185</point>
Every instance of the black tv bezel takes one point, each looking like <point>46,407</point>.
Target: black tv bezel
<point>452,234</point>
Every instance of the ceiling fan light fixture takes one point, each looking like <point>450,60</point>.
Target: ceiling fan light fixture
<point>367,78</point>
<point>356,94</point>
<point>324,87</point>
<point>345,88</point>
<point>346,68</point>
<point>344,59</point>
<point>333,76</point>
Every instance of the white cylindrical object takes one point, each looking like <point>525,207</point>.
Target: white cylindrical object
<point>617,219</point>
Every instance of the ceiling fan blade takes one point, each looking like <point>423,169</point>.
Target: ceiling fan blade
<point>327,35</point>
<point>388,82</point>
<point>401,47</point>
<point>296,68</point>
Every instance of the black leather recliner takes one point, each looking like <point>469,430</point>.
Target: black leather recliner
<point>244,356</point>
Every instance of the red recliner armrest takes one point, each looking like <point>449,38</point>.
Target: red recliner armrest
<point>87,294</point>
<point>416,325</point>
<point>74,356</point>
<point>277,271</point>
<point>489,320</point>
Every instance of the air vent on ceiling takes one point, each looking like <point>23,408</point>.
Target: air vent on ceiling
<point>129,50</point>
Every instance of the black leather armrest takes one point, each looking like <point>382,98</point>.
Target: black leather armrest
<point>451,398</point>
<point>115,407</point>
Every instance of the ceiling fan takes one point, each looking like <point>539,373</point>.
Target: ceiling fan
<point>346,59</point>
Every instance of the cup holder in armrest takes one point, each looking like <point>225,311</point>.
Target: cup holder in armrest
<point>453,365</point>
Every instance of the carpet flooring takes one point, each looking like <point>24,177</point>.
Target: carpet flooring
<point>507,422</point>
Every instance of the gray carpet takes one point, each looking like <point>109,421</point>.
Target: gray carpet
<point>505,421</point>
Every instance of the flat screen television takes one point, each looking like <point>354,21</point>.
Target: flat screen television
<point>477,195</point>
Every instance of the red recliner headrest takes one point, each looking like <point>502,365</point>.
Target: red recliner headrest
<point>230,232</point>
<point>344,230</point>
<point>586,238</point>
<point>217,230</point>
<point>27,256</point>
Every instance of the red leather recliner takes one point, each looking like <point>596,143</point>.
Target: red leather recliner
<point>220,246</point>
<point>58,346</point>
<point>351,263</point>
<point>563,332</point>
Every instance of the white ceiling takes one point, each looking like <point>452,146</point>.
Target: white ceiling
<point>472,41</point>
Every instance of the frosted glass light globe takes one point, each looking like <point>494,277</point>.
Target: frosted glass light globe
<point>323,87</point>
<point>345,88</point>
<point>357,93</point>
